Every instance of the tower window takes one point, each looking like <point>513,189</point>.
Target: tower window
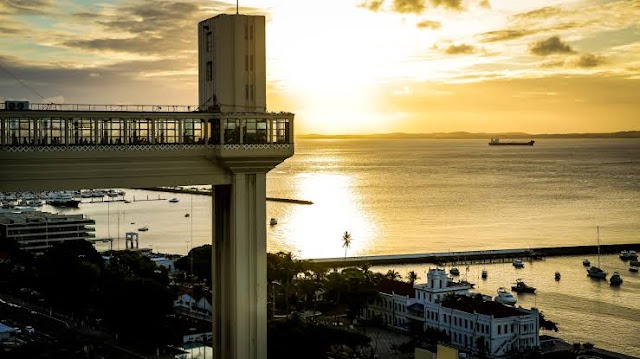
<point>209,71</point>
<point>209,43</point>
<point>251,63</point>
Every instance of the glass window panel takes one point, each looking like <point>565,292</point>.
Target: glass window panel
<point>231,131</point>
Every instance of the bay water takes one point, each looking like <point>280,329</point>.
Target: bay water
<point>398,196</point>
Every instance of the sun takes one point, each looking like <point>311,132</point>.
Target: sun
<point>332,65</point>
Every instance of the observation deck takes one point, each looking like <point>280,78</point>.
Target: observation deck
<point>53,146</point>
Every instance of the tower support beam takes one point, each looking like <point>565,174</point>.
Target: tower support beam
<point>240,267</point>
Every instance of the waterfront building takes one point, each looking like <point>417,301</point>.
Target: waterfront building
<point>471,322</point>
<point>391,303</point>
<point>36,231</point>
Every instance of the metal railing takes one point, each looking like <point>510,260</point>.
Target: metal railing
<point>59,129</point>
<point>106,107</point>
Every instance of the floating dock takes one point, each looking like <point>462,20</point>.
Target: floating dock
<point>475,257</point>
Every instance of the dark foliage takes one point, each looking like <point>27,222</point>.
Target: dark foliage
<point>296,339</point>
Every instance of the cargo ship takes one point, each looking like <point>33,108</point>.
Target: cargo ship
<point>496,142</point>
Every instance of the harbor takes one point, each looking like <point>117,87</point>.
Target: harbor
<point>476,257</point>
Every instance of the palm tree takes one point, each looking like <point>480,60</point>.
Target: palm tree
<point>393,275</point>
<point>364,267</point>
<point>413,277</point>
<point>346,243</point>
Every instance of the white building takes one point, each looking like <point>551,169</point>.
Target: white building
<point>232,64</point>
<point>196,307</point>
<point>36,231</point>
<point>470,322</point>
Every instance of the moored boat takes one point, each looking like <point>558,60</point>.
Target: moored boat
<point>273,222</point>
<point>633,269</point>
<point>626,255</point>
<point>557,276</point>
<point>596,272</point>
<point>174,200</point>
<point>485,274</point>
<point>143,229</point>
<point>518,263</point>
<point>615,279</point>
<point>63,199</point>
<point>586,262</point>
<point>522,287</point>
<point>454,271</point>
<point>505,297</point>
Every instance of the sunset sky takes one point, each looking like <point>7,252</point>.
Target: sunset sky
<point>349,66</point>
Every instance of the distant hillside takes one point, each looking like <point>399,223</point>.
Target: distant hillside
<point>477,135</point>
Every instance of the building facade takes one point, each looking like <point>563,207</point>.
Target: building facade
<point>471,322</point>
<point>36,231</point>
<point>232,64</point>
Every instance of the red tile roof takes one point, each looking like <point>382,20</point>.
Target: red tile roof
<point>470,305</point>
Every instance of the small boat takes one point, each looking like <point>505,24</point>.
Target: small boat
<point>634,263</point>
<point>174,200</point>
<point>518,263</point>
<point>505,297</point>
<point>615,279</point>
<point>273,222</point>
<point>454,271</point>
<point>597,273</point>
<point>586,262</point>
<point>633,269</point>
<point>127,201</point>
<point>557,275</point>
<point>143,229</point>
<point>626,255</point>
<point>187,215</point>
<point>485,274</point>
<point>522,287</point>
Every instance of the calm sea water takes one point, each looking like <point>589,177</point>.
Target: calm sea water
<point>412,196</point>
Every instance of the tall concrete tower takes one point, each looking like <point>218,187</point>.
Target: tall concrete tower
<point>232,64</point>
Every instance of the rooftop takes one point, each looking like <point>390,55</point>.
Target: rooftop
<point>38,217</point>
<point>477,305</point>
<point>396,287</point>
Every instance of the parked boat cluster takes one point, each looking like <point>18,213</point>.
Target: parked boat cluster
<point>27,200</point>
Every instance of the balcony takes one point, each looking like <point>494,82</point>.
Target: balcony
<point>101,146</point>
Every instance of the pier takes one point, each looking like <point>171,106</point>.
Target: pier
<point>475,257</point>
<point>206,192</point>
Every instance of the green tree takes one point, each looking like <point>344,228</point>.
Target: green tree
<point>346,243</point>
<point>547,324</point>
<point>200,259</point>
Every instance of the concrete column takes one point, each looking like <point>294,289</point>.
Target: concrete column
<point>240,268</point>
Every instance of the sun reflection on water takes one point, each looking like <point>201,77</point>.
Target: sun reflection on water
<point>316,230</point>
